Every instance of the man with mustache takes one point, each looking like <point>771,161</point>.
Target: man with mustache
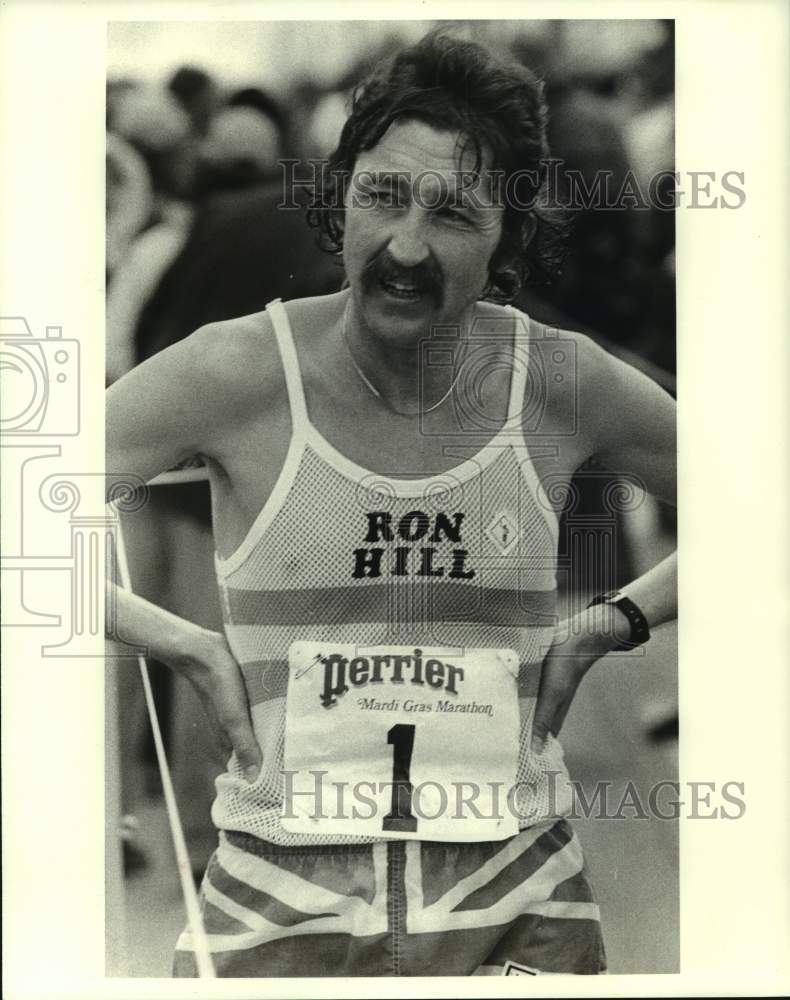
<point>383,465</point>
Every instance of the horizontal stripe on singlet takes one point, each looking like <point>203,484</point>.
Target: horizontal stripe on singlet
<point>387,602</point>
<point>268,679</point>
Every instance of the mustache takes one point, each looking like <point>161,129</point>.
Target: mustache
<point>425,275</point>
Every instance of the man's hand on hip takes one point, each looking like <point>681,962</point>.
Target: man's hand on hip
<point>211,668</point>
<point>578,643</point>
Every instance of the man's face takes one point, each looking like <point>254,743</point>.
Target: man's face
<point>419,231</point>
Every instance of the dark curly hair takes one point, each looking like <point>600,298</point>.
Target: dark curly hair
<point>455,85</point>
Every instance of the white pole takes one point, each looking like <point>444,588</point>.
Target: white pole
<point>114,896</point>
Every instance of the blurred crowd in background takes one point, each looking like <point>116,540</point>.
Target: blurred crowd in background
<point>194,235</point>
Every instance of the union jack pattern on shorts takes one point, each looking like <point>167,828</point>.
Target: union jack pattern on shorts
<point>399,908</point>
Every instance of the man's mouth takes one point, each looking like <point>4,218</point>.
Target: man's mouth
<point>408,291</point>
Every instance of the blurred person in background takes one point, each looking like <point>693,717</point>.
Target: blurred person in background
<point>241,246</point>
<point>198,94</point>
<point>611,97</point>
<point>269,107</point>
<point>151,130</point>
<point>155,123</point>
<point>242,146</point>
<point>129,200</point>
<point>325,123</point>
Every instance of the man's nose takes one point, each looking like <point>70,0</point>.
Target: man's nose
<point>408,244</point>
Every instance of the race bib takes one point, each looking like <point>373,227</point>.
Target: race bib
<point>401,742</point>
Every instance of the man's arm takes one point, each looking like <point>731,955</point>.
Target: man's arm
<point>636,435</point>
<point>630,420</point>
<point>184,401</point>
<point>630,426</point>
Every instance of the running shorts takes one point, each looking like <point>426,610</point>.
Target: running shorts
<point>399,908</point>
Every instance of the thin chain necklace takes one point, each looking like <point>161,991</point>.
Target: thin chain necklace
<point>376,392</point>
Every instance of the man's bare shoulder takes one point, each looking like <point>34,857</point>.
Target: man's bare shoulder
<point>218,378</point>
<point>579,361</point>
<point>606,402</point>
<point>240,357</point>
<point>188,398</point>
<point>574,389</point>
<point>236,354</point>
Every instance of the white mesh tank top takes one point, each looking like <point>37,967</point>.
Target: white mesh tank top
<point>293,579</point>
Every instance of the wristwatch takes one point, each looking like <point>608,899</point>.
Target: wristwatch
<point>640,632</point>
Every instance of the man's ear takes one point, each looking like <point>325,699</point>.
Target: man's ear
<point>508,245</point>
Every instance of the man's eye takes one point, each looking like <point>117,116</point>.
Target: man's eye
<point>452,214</point>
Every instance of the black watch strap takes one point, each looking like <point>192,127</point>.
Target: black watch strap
<point>640,631</point>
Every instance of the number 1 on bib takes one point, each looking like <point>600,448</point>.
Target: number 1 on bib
<point>400,817</point>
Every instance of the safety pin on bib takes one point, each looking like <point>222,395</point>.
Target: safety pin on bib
<point>310,665</point>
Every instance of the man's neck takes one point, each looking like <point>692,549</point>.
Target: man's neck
<point>402,373</point>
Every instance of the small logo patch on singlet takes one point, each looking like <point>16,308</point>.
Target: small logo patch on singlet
<point>504,532</point>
